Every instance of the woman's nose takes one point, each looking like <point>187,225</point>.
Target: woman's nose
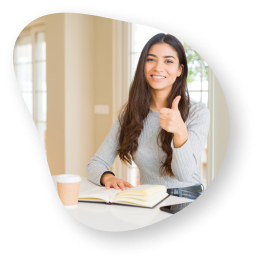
<point>158,66</point>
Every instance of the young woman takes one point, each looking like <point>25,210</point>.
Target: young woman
<point>159,128</point>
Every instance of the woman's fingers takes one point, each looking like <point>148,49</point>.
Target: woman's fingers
<point>121,184</point>
<point>107,185</point>
<point>129,185</point>
<point>115,185</point>
<point>118,184</point>
<point>111,184</point>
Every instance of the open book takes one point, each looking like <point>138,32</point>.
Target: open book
<point>147,196</point>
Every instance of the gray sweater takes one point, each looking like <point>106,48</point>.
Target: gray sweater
<point>148,157</point>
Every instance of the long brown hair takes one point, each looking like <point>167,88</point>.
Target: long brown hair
<point>137,107</point>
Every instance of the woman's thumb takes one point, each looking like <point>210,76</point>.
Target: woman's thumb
<point>176,102</point>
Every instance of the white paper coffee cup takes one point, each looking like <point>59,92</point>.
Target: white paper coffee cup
<point>68,188</point>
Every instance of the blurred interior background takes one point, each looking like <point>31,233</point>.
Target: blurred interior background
<point>74,72</point>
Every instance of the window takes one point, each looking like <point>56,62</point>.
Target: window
<point>30,70</point>
<point>197,83</point>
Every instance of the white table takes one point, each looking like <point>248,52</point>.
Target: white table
<point>116,217</point>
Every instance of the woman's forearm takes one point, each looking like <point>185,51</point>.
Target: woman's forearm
<point>180,138</point>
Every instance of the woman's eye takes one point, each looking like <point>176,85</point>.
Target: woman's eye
<point>167,61</point>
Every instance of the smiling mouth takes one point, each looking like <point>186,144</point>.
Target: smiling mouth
<point>158,77</point>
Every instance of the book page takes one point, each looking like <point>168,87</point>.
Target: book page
<point>98,194</point>
<point>148,203</point>
<point>138,197</point>
<point>146,190</point>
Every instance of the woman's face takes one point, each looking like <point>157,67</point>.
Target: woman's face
<point>162,67</point>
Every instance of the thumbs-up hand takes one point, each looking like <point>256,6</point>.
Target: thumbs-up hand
<point>171,121</point>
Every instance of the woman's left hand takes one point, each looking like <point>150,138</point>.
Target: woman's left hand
<point>171,121</point>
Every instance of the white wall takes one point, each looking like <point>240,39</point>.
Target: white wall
<point>70,98</point>
<point>55,141</point>
<point>79,92</point>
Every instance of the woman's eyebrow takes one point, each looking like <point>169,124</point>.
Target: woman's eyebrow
<point>163,56</point>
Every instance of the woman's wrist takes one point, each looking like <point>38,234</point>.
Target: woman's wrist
<point>106,177</point>
<point>180,138</point>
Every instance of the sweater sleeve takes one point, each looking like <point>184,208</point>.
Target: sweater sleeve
<point>105,156</point>
<point>185,159</point>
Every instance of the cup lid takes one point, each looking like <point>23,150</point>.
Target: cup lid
<point>68,178</point>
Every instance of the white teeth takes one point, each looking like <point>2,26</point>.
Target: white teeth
<point>158,77</point>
